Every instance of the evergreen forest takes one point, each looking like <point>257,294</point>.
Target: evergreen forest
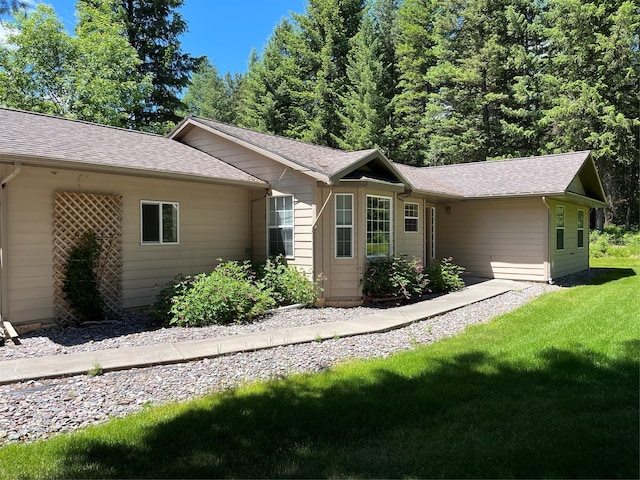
<point>428,82</point>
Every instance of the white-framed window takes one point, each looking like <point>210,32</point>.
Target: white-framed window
<point>559,227</point>
<point>159,222</point>
<point>411,216</point>
<point>379,223</point>
<point>433,233</point>
<point>280,226</point>
<point>580,225</point>
<point>344,225</point>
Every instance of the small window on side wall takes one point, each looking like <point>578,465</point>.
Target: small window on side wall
<point>559,227</point>
<point>580,228</point>
<point>344,225</point>
<point>280,226</point>
<point>411,216</point>
<point>159,222</point>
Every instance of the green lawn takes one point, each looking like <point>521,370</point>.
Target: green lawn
<point>550,390</point>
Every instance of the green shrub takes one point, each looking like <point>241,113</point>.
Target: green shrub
<point>614,241</point>
<point>445,276</point>
<point>287,284</point>
<point>394,276</point>
<point>80,285</point>
<point>164,299</point>
<point>222,297</point>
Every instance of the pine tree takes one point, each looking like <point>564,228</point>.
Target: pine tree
<point>212,96</point>
<point>593,92</point>
<point>153,29</point>
<point>415,58</point>
<point>273,93</point>
<point>326,29</point>
<point>364,106</point>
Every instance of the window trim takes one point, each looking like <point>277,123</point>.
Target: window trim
<point>367,225</point>
<point>560,228</point>
<point>416,218</point>
<point>580,229</point>
<point>350,227</point>
<point>160,203</point>
<point>292,226</point>
<point>433,233</point>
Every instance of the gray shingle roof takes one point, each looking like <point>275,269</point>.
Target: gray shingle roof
<point>43,138</point>
<point>324,160</point>
<point>543,175</point>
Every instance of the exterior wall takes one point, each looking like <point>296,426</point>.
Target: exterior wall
<point>495,238</point>
<point>203,209</point>
<point>571,259</point>
<point>283,180</point>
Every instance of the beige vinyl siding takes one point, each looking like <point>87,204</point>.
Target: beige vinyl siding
<point>214,223</point>
<point>284,181</point>
<point>571,259</point>
<point>503,238</point>
<point>343,274</point>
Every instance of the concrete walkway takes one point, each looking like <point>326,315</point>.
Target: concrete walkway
<point>123,358</point>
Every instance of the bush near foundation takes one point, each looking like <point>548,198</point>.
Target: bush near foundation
<point>444,277</point>
<point>394,276</point>
<point>287,284</point>
<point>233,292</point>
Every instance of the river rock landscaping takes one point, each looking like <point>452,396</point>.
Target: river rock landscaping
<point>39,409</point>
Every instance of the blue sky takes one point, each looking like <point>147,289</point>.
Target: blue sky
<point>224,30</point>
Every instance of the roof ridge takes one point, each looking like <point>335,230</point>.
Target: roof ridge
<point>83,122</point>
<point>271,135</point>
<point>500,160</point>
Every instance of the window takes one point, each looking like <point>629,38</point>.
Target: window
<point>280,226</point>
<point>580,228</point>
<point>378,226</point>
<point>344,225</point>
<point>159,222</point>
<point>559,227</point>
<point>433,232</point>
<point>411,217</point>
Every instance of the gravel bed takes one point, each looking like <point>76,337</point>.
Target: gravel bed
<point>39,409</point>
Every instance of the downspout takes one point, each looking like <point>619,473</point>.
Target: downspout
<point>4,212</point>
<point>548,242</point>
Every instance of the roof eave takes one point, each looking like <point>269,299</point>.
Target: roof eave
<point>34,161</point>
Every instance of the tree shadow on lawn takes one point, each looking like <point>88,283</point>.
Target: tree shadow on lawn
<point>595,276</point>
<point>574,416</point>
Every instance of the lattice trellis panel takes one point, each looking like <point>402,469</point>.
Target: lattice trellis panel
<point>74,214</point>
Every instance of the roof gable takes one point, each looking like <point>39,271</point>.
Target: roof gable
<point>38,139</point>
<point>323,163</point>
<point>542,175</point>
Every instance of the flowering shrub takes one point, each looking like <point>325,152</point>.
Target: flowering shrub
<point>394,276</point>
<point>445,276</point>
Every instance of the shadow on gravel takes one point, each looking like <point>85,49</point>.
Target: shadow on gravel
<point>71,335</point>
<point>595,276</point>
<point>573,416</point>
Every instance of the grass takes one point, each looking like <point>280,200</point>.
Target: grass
<point>550,390</point>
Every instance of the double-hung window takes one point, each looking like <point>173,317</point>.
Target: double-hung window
<point>411,216</point>
<point>559,227</point>
<point>378,226</point>
<point>344,225</point>
<point>280,226</point>
<point>159,222</point>
<point>580,228</point>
